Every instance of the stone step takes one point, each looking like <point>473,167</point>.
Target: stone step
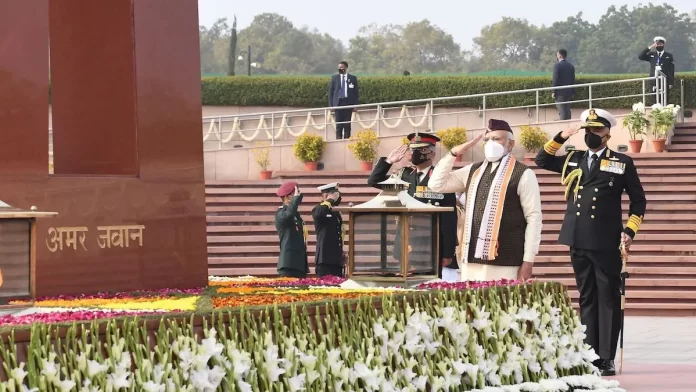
<point>654,248</point>
<point>681,147</point>
<point>217,225</point>
<point>272,238</point>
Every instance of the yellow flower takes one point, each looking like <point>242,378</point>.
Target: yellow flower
<point>89,302</point>
<point>187,303</point>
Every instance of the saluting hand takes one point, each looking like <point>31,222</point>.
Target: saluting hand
<point>653,46</point>
<point>462,148</point>
<point>569,132</point>
<point>297,191</point>
<point>398,154</point>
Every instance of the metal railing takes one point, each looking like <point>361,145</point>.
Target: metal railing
<point>214,126</point>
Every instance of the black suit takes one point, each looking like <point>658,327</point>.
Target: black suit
<point>563,75</point>
<point>592,229</point>
<point>343,91</point>
<point>448,220</point>
<point>328,225</point>
<point>664,60</point>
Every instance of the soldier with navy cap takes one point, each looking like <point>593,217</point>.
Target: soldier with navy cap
<point>422,149</point>
<point>328,224</point>
<point>660,60</point>
<point>593,227</point>
<point>292,233</point>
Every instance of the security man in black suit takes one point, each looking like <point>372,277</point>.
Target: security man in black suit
<point>422,147</point>
<point>660,60</point>
<point>563,75</point>
<point>593,227</point>
<point>329,258</point>
<point>292,233</point>
<point>343,91</point>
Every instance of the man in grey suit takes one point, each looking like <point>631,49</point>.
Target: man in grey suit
<point>343,91</point>
<point>563,75</point>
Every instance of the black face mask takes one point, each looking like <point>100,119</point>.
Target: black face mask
<point>337,201</point>
<point>418,157</point>
<point>341,71</point>
<point>660,48</point>
<point>593,140</point>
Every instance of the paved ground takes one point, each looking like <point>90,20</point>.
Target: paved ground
<point>659,354</point>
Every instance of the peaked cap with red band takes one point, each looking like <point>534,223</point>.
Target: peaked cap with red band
<point>498,125</point>
<point>420,140</point>
<point>287,188</point>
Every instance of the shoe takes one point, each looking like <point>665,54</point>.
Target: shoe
<point>608,368</point>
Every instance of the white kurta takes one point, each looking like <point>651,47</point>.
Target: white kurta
<point>443,179</point>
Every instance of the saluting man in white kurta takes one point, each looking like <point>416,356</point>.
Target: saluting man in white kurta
<point>502,225</point>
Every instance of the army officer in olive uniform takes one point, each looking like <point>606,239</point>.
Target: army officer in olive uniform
<point>328,224</point>
<point>593,227</point>
<point>292,233</point>
<point>422,148</point>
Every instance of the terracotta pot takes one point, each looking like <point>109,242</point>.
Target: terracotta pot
<point>310,166</point>
<point>635,145</point>
<point>659,145</point>
<point>366,166</point>
<point>265,174</point>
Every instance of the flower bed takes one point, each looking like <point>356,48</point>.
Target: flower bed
<point>222,293</point>
<point>514,338</point>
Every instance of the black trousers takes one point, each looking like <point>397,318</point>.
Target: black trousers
<point>292,273</point>
<point>333,270</point>
<point>598,276</point>
<point>343,115</point>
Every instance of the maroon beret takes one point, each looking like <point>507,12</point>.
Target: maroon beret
<point>286,188</point>
<point>498,125</point>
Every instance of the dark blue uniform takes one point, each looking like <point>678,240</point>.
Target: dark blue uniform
<point>592,228</point>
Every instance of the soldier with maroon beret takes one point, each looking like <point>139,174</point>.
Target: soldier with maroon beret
<point>292,232</point>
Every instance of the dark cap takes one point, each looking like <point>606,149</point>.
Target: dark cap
<point>420,140</point>
<point>498,125</point>
<point>287,188</point>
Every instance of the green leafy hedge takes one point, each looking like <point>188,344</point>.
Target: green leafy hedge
<point>311,91</point>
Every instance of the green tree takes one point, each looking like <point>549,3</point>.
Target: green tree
<point>232,55</point>
<point>279,47</point>
<point>510,44</point>
<point>214,47</point>
<point>623,33</point>
<point>568,35</point>
<point>419,47</point>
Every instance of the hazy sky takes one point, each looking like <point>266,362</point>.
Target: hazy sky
<point>343,19</point>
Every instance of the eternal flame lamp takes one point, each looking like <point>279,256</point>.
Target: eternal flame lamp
<point>18,254</point>
<point>393,238</point>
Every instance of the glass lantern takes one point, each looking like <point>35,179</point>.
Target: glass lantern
<point>393,238</point>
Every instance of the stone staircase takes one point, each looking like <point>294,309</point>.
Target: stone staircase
<point>242,238</point>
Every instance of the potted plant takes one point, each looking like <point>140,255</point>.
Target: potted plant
<point>364,148</point>
<point>309,148</point>
<point>451,137</point>
<point>262,154</point>
<point>637,124</point>
<point>663,119</point>
<point>532,138</point>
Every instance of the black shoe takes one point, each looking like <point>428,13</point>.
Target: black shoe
<point>598,363</point>
<point>608,368</point>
